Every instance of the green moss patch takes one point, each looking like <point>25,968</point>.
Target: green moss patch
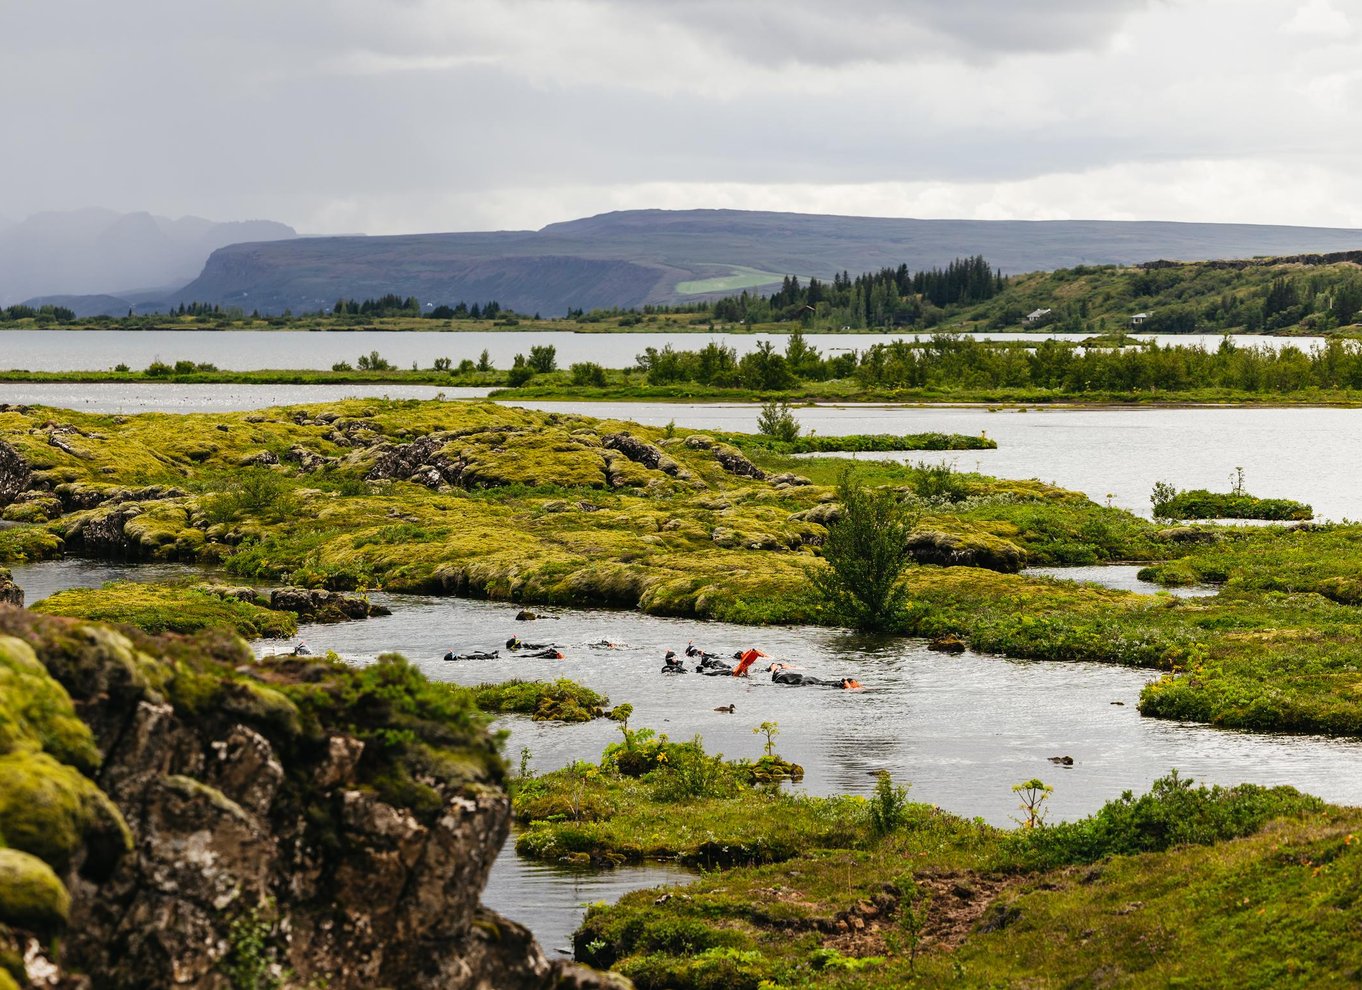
<point>158,608</point>
<point>31,896</point>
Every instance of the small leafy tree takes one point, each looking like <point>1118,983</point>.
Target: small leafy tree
<point>914,911</point>
<point>865,554</point>
<point>1163,494</point>
<point>485,361</point>
<point>442,364</point>
<point>771,729</point>
<point>543,358</point>
<point>1033,793</point>
<point>777,421</point>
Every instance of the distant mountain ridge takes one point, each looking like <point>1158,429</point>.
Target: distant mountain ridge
<point>86,252</point>
<point>633,258</point>
<point>638,257</point>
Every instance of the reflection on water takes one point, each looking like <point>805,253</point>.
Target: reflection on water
<point>1122,577</point>
<point>550,898</point>
<point>47,578</point>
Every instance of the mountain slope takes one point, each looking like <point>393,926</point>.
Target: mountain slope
<point>656,256</point>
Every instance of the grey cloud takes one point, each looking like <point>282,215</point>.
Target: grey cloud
<point>889,31</point>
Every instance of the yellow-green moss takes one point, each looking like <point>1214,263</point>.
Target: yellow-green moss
<point>167,608</point>
<point>47,808</point>
<point>36,712</point>
<point>31,896</point>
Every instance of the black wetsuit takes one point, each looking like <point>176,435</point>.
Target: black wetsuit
<point>712,667</point>
<point>673,667</point>
<point>449,656</point>
<point>795,678</point>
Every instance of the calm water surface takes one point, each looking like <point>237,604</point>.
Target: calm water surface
<point>101,350</point>
<point>550,898</point>
<point>149,397</point>
<point>961,729</point>
<point>1122,577</point>
<point>1111,455</point>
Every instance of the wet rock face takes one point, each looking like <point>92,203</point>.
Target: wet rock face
<point>14,474</point>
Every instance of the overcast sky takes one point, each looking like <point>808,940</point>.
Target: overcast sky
<point>392,116</point>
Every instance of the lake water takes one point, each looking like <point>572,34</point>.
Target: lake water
<point>101,350</point>
<point>149,397</point>
<point>1308,454</point>
<point>1122,577</point>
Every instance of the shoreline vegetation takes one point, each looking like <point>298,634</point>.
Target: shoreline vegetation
<point>483,500</point>
<point>942,368</point>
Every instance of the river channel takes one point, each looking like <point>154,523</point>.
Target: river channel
<point>960,729</point>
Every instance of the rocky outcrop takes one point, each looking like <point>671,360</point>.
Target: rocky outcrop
<point>965,550</point>
<point>318,605</point>
<point>10,593</point>
<point>15,474</point>
<point>277,825</point>
<point>732,460</point>
<point>77,497</point>
<point>642,452</point>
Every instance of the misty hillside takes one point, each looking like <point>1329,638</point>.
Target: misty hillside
<point>656,256</point>
<point>102,251</point>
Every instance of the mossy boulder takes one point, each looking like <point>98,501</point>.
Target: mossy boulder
<point>36,713</point>
<point>973,549</point>
<point>31,895</point>
<point>10,593</point>
<point>49,810</point>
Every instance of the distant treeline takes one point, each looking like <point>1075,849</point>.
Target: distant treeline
<point>39,314</point>
<point>948,362</point>
<point>890,297</point>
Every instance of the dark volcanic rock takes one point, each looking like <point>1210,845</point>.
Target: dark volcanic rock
<point>955,550</point>
<point>10,593</point>
<point>318,605</point>
<point>240,814</point>
<point>642,452</point>
<point>733,461</point>
<point>14,474</point>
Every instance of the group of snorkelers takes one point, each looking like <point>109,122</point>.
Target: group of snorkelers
<point>711,665</point>
<point>708,664</point>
